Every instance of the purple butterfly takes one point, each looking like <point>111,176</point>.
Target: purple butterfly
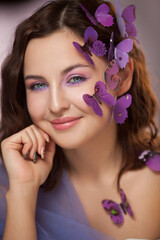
<point>111,48</point>
<point>100,95</point>
<point>101,15</point>
<point>91,45</point>
<point>120,112</point>
<point>125,20</point>
<point>120,20</point>
<point>151,159</point>
<point>111,77</point>
<point>116,210</point>
<point>121,52</point>
<point>128,15</point>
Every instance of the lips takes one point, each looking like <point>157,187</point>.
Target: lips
<point>65,123</point>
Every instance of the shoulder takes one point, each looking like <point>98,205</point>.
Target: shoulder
<point>143,192</point>
<point>142,188</point>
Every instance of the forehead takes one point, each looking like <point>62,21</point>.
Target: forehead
<point>53,53</point>
<point>56,49</point>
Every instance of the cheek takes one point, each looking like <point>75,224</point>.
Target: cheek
<point>36,106</point>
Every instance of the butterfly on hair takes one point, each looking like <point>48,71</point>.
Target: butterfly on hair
<point>110,75</point>
<point>125,20</point>
<point>116,210</point>
<point>92,44</point>
<point>101,15</point>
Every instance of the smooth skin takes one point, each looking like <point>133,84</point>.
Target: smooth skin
<point>93,153</point>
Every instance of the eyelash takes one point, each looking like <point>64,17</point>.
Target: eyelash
<point>34,86</point>
<point>41,86</point>
<point>77,80</point>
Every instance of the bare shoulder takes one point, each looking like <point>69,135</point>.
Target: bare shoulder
<point>143,193</point>
<point>145,183</point>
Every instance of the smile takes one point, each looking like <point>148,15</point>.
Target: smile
<point>64,123</point>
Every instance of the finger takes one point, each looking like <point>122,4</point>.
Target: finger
<point>34,148</point>
<point>44,134</point>
<point>20,142</point>
<point>40,140</point>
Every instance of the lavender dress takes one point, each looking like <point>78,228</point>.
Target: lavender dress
<point>60,214</point>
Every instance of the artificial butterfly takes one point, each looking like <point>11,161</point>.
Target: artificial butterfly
<point>121,52</point>
<point>100,95</point>
<point>128,15</point>
<point>111,48</point>
<point>101,15</point>
<point>125,20</point>
<point>91,45</point>
<point>111,77</point>
<point>151,159</point>
<point>120,112</point>
<point>120,20</point>
<point>116,210</point>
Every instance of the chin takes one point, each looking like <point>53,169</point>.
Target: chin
<point>72,142</point>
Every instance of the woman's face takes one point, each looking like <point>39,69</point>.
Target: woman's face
<point>56,77</point>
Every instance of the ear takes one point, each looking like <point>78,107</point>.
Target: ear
<point>126,76</point>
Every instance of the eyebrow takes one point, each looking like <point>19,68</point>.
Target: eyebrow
<point>65,71</point>
<point>70,68</point>
<point>33,77</point>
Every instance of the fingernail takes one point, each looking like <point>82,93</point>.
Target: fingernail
<point>26,155</point>
<point>42,152</point>
<point>34,157</point>
<point>47,138</point>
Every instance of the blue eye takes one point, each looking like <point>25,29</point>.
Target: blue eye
<point>38,86</point>
<point>76,80</point>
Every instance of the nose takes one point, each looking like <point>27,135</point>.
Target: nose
<point>58,101</point>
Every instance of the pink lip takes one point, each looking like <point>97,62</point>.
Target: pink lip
<point>64,123</point>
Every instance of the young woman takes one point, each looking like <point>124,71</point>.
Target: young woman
<point>80,146</point>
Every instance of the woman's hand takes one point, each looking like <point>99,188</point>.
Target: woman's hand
<point>20,152</point>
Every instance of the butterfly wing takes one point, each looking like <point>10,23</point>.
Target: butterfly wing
<point>120,112</point>
<point>125,205</point>
<point>154,162</point>
<point>90,35</point>
<point>92,102</point>
<point>111,48</point>
<point>103,95</point>
<point>102,15</point>
<point>90,17</point>
<point>151,159</point>
<point>125,45</point>
<point>120,20</point>
<point>121,52</point>
<point>83,52</point>
<point>129,16</point>
<point>114,211</point>
<point>111,77</point>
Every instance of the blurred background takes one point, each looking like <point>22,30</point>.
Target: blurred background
<point>147,23</point>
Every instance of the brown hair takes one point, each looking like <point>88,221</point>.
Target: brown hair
<point>139,131</point>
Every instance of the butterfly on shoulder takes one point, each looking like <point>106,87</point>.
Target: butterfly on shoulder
<point>100,95</point>
<point>116,210</point>
<point>151,159</point>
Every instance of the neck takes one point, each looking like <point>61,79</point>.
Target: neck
<point>97,159</point>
